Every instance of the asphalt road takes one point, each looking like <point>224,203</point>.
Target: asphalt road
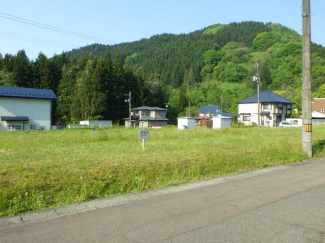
<point>281,204</point>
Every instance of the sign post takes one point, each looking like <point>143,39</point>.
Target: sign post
<point>143,134</point>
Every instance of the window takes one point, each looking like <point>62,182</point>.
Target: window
<point>246,118</point>
<point>267,106</point>
<point>289,109</point>
<point>14,127</point>
<point>145,114</point>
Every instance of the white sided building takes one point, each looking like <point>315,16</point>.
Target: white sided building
<point>185,123</point>
<point>23,109</point>
<point>273,109</point>
<point>221,122</point>
<point>97,123</point>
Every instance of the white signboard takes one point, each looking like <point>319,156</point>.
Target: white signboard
<point>144,134</point>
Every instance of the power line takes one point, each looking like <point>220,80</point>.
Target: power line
<point>33,39</point>
<point>108,79</point>
<point>49,27</point>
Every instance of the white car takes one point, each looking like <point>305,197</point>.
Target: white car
<point>287,124</point>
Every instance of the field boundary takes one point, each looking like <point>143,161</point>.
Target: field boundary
<point>46,214</point>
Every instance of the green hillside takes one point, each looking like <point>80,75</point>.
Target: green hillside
<point>170,56</point>
<point>220,59</point>
<point>212,66</point>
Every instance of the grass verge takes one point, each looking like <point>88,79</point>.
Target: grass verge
<point>43,169</point>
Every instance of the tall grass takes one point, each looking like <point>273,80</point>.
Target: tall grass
<point>42,169</point>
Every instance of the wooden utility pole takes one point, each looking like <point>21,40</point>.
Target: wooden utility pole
<point>306,81</point>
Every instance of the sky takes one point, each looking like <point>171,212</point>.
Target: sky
<point>113,22</point>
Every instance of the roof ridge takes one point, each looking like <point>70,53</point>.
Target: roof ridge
<point>265,96</point>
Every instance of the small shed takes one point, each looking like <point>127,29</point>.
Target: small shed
<point>205,123</point>
<point>221,122</point>
<point>186,123</point>
<point>97,123</point>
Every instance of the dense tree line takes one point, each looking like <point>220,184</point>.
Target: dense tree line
<point>212,66</point>
<point>89,88</point>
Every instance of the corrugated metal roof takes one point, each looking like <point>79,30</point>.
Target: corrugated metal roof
<point>30,93</point>
<point>213,109</point>
<point>148,108</point>
<point>228,114</point>
<point>265,97</point>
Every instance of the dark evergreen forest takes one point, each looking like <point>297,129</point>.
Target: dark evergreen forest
<point>212,66</point>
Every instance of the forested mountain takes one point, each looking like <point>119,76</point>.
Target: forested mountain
<point>212,66</point>
<point>170,56</point>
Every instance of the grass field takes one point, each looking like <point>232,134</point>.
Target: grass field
<point>43,169</point>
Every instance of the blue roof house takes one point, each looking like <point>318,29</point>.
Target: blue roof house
<point>273,109</point>
<point>25,108</point>
<point>210,109</point>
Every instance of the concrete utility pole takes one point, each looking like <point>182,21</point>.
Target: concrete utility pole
<point>306,81</point>
<point>257,80</point>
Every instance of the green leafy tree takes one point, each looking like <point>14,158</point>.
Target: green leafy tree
<point>108,82</point>
<point>1,61</point>
<point>320,93</point>
<point>43,73</point>
<point>189,78</point>
<point>83,93</point>
<point>318,77</point>
<point>98,89</point>
<point>183,99</point>
<point>8,63</point>
<point>265,40</point>
<point>22,72</point>
<point>66,91</point>
<point>119,90</point>
<point>174,107</point>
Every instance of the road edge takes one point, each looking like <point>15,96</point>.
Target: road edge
<point>35,216</point>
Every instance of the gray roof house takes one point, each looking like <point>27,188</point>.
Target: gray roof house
<point>25,108</point>
<point>273,109</point>
<point>146,116</point>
